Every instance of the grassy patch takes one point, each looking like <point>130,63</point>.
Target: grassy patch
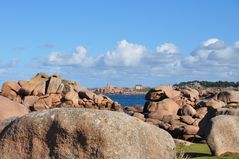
<point>202,151</point>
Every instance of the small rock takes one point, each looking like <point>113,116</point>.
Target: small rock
<point>28,87</point>
<point>201,112</point>
<point>40,89</point>
<point>87,94</point>
<point>187,119</point>
<point>139,116</point>
<point>188,110</point>
<point>153,121</point>
<point>21,82</point>
<point>72,96</point>
<point>182,142</point>
<point>29,101</point>
<point>161,92</point>
<point>42,103</point>
<point>10,90</point>
<point>190,130</point>
<point>53,85</point>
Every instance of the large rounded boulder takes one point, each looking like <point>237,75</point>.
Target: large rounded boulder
<point>223,134</point>
<point>212,103</point>
<point>84,133</point>
<point>161,92</point>
<point>229,96</point>
<point>167,104</point>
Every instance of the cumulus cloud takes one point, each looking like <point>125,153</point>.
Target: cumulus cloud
<point>213,60</point>
<point>226,54</point>
<point>78,57</point>
<point>168,48</point>
<point>213,52</point>
<point>125,54</point>
<point>129,63</point>
<point>213,43</point>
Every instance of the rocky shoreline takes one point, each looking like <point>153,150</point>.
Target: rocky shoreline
<point>47,92</point>
<point>49,117</point>
<point>193,115</point>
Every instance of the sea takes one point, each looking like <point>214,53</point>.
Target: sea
<point>128,99</point>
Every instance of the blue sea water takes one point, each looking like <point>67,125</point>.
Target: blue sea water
<point>128,99</point>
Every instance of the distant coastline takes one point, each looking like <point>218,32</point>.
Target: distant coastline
<point>109,89</point>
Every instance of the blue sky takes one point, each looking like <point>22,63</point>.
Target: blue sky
<point>120,42</point>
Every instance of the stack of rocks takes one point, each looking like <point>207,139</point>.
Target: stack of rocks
<point>44,92</point>
<point>179,111</point>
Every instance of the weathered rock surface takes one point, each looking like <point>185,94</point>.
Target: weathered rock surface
<point>139,116</point>
<point>54,84</point>
<point>188,110</point>
<point>182,142</point>
<point>224,134</point>
<point>228,111</point>
<point>161,92</point>
<point>229,96</point>
<point>29,101</point>
<point>187,119</point>
<point>212,103</point>
<point>183,112</point>
<point>35,83</point>
<point>201,112</point>
<point>191,94</point>
<point>191,130</point>
<point>10,109</point>
<point>84,133</point>
<point>10,90</point>
<point>165,105</point>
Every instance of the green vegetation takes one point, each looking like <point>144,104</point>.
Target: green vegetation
<point>201,151</point>
<point>222,84</point>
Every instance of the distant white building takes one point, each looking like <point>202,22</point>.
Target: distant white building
<point>139,87</point>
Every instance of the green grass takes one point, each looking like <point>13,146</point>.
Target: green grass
<point>201,151</point>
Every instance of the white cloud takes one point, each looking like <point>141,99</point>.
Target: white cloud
<point>209,42</point>
<point>167,48</point>
<point>78,57</point>
<point>189,60</point>
<point>223,54</point>
<point>125,54</point>
<point>213,51</point>
<point>212,60</point>
<point>131,63</point>
<point>236,44</point>
<point>55,58</point>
